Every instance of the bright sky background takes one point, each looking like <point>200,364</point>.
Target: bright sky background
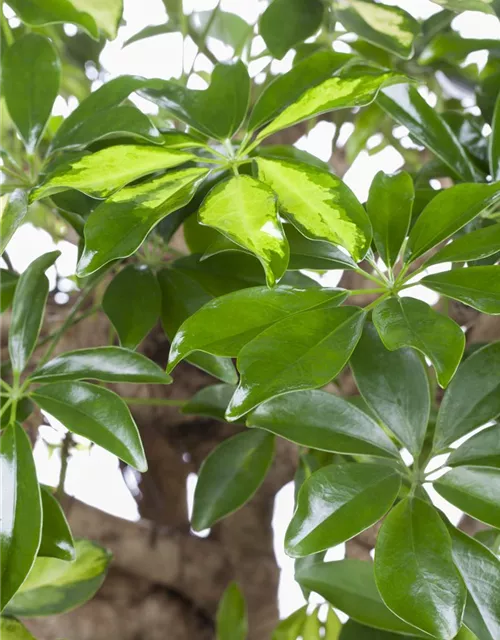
<point>94,476</point>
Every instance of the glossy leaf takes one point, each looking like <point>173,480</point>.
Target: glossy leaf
<point>286,22</point>
<point>139,287</point>
<point>475,490</point>
<point>395,386</point>
<point>27,310</point>
<point>414,569</point>
<point>210,401</point>
<point>389,207</point>
<point>217,111</point>
<point>120,225</point>
<point>478,287</point>
<point>304,351</point>
<point>102,173</point>
<point>12,214</point>
<point>485,6</point>
<point>244,209</point>
<point>476,245</point>
<point>349,585</point>
<point>406,322</point>
<point>30,84</point>
<point>314,254</point>
<point>182,296</point>
<point>385,26</point>
<point>57,541</point>
<point>226,324</point>
<point>21,523</point>
<point>8,283</point>
<point>230,476</point>
<point>97,414</point>
<point>473,397</point>
<point>55,586</point>
<point>232,621</point>
<point>291,627</point>
<point>409,109</point>
<point>108,364</point>
<point>494,143</point>
<point>12,629</point>
<point>338,502</point>
<point>320,420</point>
<point>482,449</point>
<point>319,204</point>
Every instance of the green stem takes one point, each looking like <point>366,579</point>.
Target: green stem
<point>6,30</point>
<point>377,302</point>
<point>15,397</point>
<point>65,454</point>
<point>359,292</point>
<point>155,402</point>
<point>6,386</point>
<point>369,276</point>
<point>84,315</point>
<point>8,261</point>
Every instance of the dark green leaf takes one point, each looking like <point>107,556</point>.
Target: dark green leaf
<point>153,30</point>
<point>8,283</point>
<point>139,287</point>
<point>30,84</point>
<point>395,386</point>
<point>12,629</point>
<point>21,523</point>
<point>232,621</point>
<point>494,143</point>
<point>466,5</point>
<point>478,287</point>
<point>27,310</point>
<point>482,449</point>
<point>315,254</point>
<point>414,569</point>
<point>57,541</point>
<point>354,631</point>
<point>291,627</point>
<point>476,245</point>
<point>97,414</point>
<point>473,397</point>
<point>55,586</point>
<point>389,206</point>
<point>210,401</point>
<point>304,351</point>
<point>230,476</point>
<point>406,322</point>
<point>320,420</point>
<point>12,214</point>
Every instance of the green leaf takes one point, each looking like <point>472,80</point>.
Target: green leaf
<point>494,143</point>
<point>210,401</point>
<point>304,351</point>
<point>227,27</point>
<point>406,322</point>
<point>389,207</point>
<point>27,310</point>
<point>395,386</point>
<point>285,23</point>
<point>182,296</point>
<point>139,286</point>
<point>349,585</point>
<point>333,626</point>
<point>8,284</point>
<point>218,111</point>
<point>57,541</point>
<point>118,227</point>
<point>107,364</point>
<point>414,569</point>
<point>244,209</point>
<point>475,490</point>
<point>90,16</point>
<point>320,420</point>
<point>478,287</point>
<point>319,204</point>
<point>102,173</point>
<point>153,30</point>
<point>314,254</point>
<point>482,449</point>
<point>12,215</point>
<point>21,523</point>
<point>476,245</point>
<point>230,476</point>
<point>97,414</point>
<point>485,6</point>
<point>480,570</point>
<point>406,106</point>
<point>312,627</point>
<point>285,89</point>
<point>55,586</point>
<point>232,621</point>
<point>473,397</point>
<point>337,502</point>
<point>352,630</point>
<point>30,83</point>
<point>388,27</point>
<point>291,627</point>
<point>333,93</point>
<point>226,324</point>
<point>12,629</point>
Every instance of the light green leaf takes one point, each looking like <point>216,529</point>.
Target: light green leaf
<point>151,31</point>
<point>494,143</point>
<point>118,227</point>
<point>406,322</point>
<point>55,586</point>
<point>319,204</point>
<point>389,207</point>
<point>21,522</point>
<point>312,627</point>
<point>210,401</point>
<point>414,569</point>
<point>230,476</point>
<point>485,6</point>
<point>333,626</point>
<point>97,414</point>
<point>482,449</point>
<point>476,245</point>
<point>30,83</point>
<point>12,629</point>
<point>227,27</point>
<point>291,627</point>
<point>320,420</point>
<point>13,210</point>
<point>244,209</point>
<point>232,621</point>
<point>304,351</point>
<point>57,541</point>
<point>478,287</point>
